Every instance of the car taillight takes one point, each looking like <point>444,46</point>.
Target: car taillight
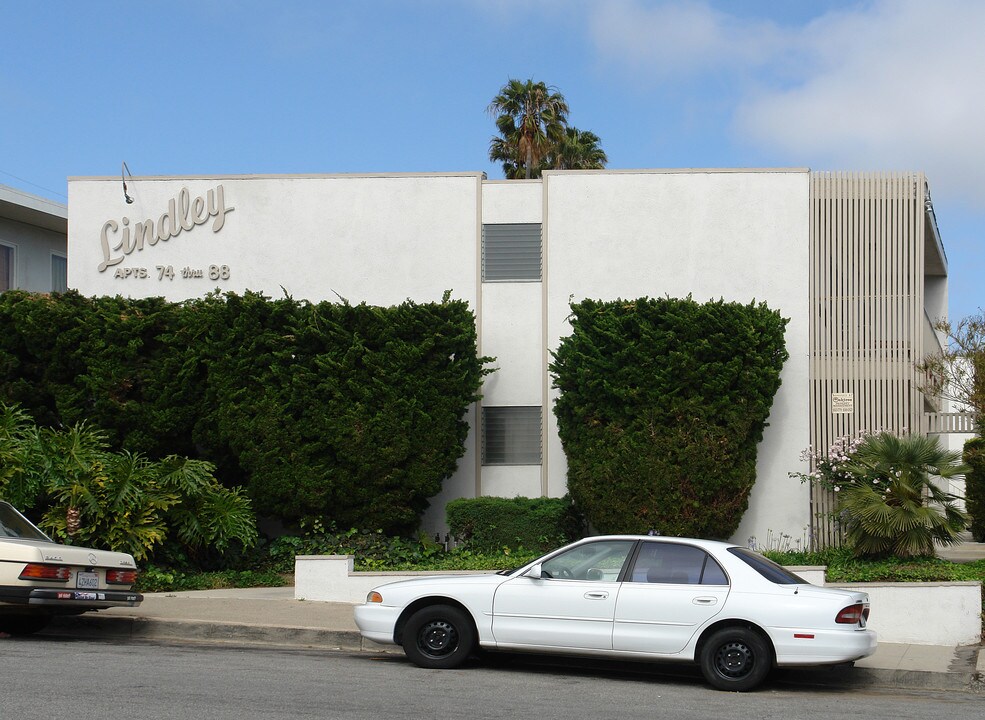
<point>37,571</point>
<point>852,614</point>
<point>121,577</point>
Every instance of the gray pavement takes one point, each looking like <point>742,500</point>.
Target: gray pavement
<point>272,617</point>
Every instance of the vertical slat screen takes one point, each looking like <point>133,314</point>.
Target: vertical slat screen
<point>867,317</point>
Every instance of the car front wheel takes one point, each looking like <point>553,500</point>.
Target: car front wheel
<point>439,637</point>
<point>735,659</point>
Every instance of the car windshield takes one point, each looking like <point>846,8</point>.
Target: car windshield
<point>15,525</point>
<point>766,567</point>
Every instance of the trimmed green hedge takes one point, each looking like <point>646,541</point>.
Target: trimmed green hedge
<point>974,486</point>
<point>351,412</point>
<point>663,404</point>
<point>489,524</point>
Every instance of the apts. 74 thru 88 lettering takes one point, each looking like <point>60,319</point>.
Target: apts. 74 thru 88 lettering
<point>215,272</point>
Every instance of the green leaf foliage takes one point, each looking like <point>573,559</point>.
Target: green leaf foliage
<point>890,505</point>
<point>354,412</point>
<point>489,524</point>
<point>20,446</point>
<point>974,481</point>
<point>662,405</point>
<point>87,494</point>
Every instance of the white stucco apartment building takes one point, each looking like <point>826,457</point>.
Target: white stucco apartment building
<point>854,261</point>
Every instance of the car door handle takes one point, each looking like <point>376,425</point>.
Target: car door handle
<point>596,595</point>
<point>705,600</point>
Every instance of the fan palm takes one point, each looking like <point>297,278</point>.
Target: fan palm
<point>531,118</point>
<point>892,506</point>
<point>578,150</point>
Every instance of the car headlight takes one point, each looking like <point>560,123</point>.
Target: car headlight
<point>374,597</point>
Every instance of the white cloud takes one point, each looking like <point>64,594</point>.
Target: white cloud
<point>898,85</point>
<point>676,40</point>
<point>892,84</point>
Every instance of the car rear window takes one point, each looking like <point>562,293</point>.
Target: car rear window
<point>766,567</point>
<point>15,525</point>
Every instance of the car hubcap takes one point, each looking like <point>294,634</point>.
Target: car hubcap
<point>437,638</point>
<point>734,660</point>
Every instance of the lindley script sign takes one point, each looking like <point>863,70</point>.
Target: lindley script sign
<point>184,213</point>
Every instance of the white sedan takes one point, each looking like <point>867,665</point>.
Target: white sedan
<point>40,578</point>
<point>731,610</point>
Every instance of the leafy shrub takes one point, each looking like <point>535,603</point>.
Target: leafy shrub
<point>974,482</point>
<point>353,411</point>
<point>20,446</point>
<point>489,524</point>
<point>662,406</point>
<point>887,502</point>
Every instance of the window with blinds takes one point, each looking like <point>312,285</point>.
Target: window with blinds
<point>511,252</point>
<point>511,435</point>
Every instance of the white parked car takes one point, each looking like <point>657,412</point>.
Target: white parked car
<point>40,578</point>
<point>725,607</point>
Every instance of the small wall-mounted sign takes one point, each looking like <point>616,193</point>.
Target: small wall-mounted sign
<point>842,403</point>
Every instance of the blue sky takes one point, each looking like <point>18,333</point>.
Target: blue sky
<point>184,87</point>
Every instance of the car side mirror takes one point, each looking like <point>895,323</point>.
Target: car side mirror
<point>536,572</point>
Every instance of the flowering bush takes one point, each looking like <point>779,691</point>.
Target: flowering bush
<point>887,503</point>
<point>830,468</point>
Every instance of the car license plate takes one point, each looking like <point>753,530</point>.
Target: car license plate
<point>87,580</point>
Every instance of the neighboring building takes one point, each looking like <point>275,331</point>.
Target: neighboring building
<point>854,261</point>
<point>33,233</point>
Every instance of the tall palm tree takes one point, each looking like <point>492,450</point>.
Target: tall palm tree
<point>578,150</point>
<point>892,506</point>
<point>531,118</point>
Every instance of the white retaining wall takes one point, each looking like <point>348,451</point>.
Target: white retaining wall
<point>944,613</point>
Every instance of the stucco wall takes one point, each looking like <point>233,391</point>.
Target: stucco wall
<point>711,234</point>
<point>740,235</point>
<point>378,239</point>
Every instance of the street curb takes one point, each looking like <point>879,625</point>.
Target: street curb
<point>208,631</point>
<point>282,636</point>
<point>847,677</point>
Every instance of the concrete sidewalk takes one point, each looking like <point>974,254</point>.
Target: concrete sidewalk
<point>272,617</point>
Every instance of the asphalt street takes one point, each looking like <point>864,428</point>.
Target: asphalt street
<point>47,677</point>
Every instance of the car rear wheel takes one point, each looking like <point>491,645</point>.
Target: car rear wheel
<point>439,636</point>
<point>736,659</point>
<point>23,624</point>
